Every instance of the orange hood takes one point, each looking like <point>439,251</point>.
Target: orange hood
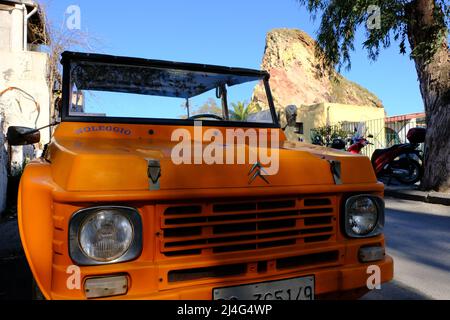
<point>110,157</point>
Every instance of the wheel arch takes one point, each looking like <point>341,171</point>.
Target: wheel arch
<point>34,211</point>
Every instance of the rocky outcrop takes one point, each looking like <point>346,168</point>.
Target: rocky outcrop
<point>297,78</point>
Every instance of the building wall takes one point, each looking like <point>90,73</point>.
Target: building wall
<point>11,28</point>
<point>322,114</point>
<point>24,101</point>
<point>26,97</point>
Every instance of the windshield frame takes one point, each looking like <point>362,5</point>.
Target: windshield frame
<point>69,57</point>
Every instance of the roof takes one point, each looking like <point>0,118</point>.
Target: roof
<point>406,117</point>
<point>26,2</point>
<point>152,77</point>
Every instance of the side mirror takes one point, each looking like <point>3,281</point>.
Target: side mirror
<point>370,136</point>
<point>20,136</point>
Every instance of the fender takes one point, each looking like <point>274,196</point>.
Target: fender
<point>397,151</point>
<point>34,210</point>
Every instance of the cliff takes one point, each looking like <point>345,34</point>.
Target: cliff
<point>297,78</point>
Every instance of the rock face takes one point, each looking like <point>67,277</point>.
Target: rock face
<point>296,76</point>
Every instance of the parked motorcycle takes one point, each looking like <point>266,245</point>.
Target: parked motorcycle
<point>359,144</point>
<point>353,144</point>
<point>401,161</point>
<point>334,143</point>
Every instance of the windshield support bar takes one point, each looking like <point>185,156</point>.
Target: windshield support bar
<point>187,108</point>
<point>223,93</point>
<point>271,103</point>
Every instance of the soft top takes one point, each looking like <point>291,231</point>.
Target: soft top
<point>152,77</point>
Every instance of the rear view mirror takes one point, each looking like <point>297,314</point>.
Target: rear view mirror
<point>20,136</point>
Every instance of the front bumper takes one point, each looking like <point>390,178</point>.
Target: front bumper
<point>349,281</point>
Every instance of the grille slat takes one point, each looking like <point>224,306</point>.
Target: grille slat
<point>213,245</point>
<point>226,213</point>
<point>210,228</point>
<point>237,234</point>
<point>202,224</point>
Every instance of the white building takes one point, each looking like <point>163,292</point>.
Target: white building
<point>24,87</point>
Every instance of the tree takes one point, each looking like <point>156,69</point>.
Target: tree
<point>241,111</point>
<point>425,25</point>
<point>59,38</point>
<point>209,107</point>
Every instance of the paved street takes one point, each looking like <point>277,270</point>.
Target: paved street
<point>418,237</point>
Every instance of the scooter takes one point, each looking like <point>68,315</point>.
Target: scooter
<point>336,143</point>
<point>359,144</point>
<point>354,144</point>
<point>401,161</point>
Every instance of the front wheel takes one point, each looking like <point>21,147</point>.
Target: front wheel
<point>415,172</point>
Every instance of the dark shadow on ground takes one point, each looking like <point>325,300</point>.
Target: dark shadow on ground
<point>15,275</point>
<point>393,182</point>
<point>423,238</point>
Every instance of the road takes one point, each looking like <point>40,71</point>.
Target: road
<point>418,238</point>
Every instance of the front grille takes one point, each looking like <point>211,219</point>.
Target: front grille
<point>207,272</point>
<point>228,270</point>
<point>308,260</point>
<point>212,228</point>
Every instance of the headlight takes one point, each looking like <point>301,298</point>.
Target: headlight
<point>106,236</point>
<point>364,216</point>
<point>102,235</point>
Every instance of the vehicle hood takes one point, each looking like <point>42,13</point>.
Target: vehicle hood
<point>96,162</point>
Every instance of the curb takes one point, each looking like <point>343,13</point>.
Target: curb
<point>416,195</point>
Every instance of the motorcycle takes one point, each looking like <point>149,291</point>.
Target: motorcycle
<point>329,142</point>
<point>359,144</point>
<point>355,144</point>
<point>401,161</point>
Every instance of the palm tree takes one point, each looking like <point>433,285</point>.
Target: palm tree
<point>241,111</point>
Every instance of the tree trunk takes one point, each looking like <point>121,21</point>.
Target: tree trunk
<point>434,78</point>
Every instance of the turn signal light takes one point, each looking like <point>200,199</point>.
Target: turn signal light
<point>370,254</point>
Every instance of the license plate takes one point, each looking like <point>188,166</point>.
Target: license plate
<point>289,289</point>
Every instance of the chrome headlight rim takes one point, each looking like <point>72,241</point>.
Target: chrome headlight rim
<point>77,220</point>
<point>378,229</point>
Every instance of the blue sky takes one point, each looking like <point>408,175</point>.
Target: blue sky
<point>228,33</point>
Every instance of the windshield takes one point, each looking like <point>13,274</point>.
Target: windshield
<point>128,91</point>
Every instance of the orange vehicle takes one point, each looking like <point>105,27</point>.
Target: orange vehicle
<point>159,184</point>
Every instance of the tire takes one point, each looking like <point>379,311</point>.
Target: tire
<point>415,173</point>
